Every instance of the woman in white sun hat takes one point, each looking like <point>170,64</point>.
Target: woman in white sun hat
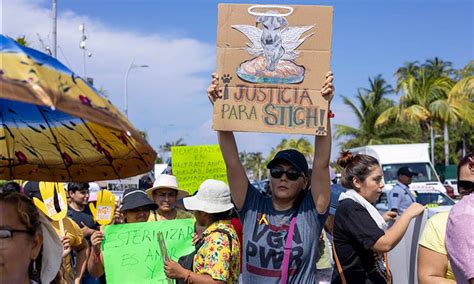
<point>165,192</point>
<point>217,255</point>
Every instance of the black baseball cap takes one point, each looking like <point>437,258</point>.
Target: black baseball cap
<point>406,171</point>
<point>293,157</point>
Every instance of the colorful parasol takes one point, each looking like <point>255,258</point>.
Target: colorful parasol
<point>56,127</point>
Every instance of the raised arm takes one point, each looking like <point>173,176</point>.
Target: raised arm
<point>320,183</point>
<point>236,175</point>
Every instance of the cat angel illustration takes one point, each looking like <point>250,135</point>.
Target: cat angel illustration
<point>274,47</point>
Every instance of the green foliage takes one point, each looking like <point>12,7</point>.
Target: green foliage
<point>371,102</point>
<point>255,163</point>
<point>433,94</point>
<point>301,144</point>
<point>168,145</point>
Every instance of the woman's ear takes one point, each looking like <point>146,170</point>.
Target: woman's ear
<point>306,182</point>
<point>356,183</point>
<point>37,244</point>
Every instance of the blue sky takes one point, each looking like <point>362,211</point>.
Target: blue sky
<point>177,40</point>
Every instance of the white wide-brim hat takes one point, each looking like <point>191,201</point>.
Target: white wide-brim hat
<point>166,181</point>
<point>213,196</point>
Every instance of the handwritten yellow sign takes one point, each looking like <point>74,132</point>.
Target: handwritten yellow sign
<point>194,164</point>
<point>54,203</point>
<point>104,212</point>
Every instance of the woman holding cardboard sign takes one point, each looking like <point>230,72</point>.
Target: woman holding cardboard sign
<point>279,232</point>
<point>136,207</point>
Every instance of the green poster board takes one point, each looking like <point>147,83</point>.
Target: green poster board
<point>194,164</point>
<point>132,253</point>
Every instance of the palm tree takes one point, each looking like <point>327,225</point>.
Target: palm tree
<point>371,103</point>
<point>402,73</point>
<point>168,145</point>
<point>466,71</point>
<point>256,163</point>
<point>166,148</point>
<point>420,91</point>
<point>456,108</point>
<point>301,144</point>
<point>438,67</point>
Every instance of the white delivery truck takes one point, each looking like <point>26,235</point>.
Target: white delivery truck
<point>415,156</point>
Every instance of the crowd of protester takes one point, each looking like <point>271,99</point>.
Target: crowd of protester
<point>302,233</point>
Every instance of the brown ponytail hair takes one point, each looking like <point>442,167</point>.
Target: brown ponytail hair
<point>358,166</point>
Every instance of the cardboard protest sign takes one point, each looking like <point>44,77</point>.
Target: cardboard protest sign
<point>135,248</point>
<point>272,60</point>
<point>103,212</point>
<point>53,203</point>
<point>194,164</point>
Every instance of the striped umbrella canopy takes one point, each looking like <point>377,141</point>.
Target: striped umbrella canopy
<point>56,127</point>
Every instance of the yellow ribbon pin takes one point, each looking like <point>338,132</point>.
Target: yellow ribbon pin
<point>263,219</point>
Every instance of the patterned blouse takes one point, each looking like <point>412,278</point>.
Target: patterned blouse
<point>215,256</point>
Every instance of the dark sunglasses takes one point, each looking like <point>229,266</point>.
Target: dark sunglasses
<point>291,174</point>
<point>466,185</point>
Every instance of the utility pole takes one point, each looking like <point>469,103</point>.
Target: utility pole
<point>82,45</point>
<point>55,28</point>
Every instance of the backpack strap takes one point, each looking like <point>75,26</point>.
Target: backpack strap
<point>285,266</point>
<point>338,264</point>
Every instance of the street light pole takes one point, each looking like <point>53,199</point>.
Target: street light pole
<point>132,65</point>
<point>55,18</point>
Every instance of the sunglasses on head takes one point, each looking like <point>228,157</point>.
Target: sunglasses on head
<point>291,174</point>
<point>466,185</point>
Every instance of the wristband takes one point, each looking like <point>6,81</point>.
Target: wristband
<point>96,255</point>
<point>188,278</point>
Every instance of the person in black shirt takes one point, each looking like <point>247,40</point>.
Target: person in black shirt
<point>79,210</point>
<point>361,237</point>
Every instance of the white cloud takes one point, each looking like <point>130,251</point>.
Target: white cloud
<point>167,99</point>
<point>170,91</point>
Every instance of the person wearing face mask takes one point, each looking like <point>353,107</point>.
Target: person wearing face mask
<point>165,192</point>
<point>136,207</point>
<point>361,235</point>
<point>280,231</point>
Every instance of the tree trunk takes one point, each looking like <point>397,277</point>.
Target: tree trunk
<point>424,131</point>
<point>446,144</point>
<point>464,138</point>
<point>432,142</point>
